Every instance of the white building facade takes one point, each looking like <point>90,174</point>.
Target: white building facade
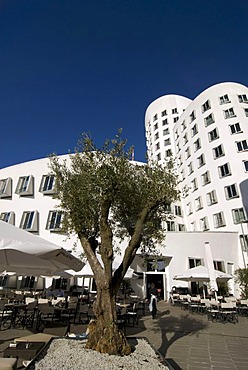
<point>208,212</point>
<point>208,138</point>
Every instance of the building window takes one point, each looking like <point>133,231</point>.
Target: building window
<point>246,112</point>
<point>219,220</point>
<point>174,111</point>
<point>28,282</point>
<point>175,119</point>
<point>194,262</point>
<point>224,99</point>
<point>181,227</point>
<point>178,211</point>
<point>4,280</point>
<point>183,127</point>
<point>155,126</point>
<point>242,145</point>
<point>185,139</point>
<point>61,284</point>
<point>156,136</point>
<point>238,215</point>
<point>190,168</point>
<point>25,186</point>
<point>157,146</point>
<point>6,188</point>
<point>8,217</point>
<point>159,157</point>
<point>168,153</point>
<point>229,113</point>
<point>170,225</point>
<point>219,266</point>
<point>197,145</point>
<point>206,106</point>
<point>182,175</point>
<point>29,221</point>
<point>235,128</point>
<point>205,178</point>
<point>218,151</point>
<point>201,160</point>
<point>194,130</point>
<point>155,117</point>
<point>166,131</point>
<point>187,152</point>
<point>47,185</point>
<point>204,224</point>
<point>198,203</point>
<point>213,135</point>
<point>192,116</point>
<point>243,98</point>
<point>224,170</point>
<point>209,120</point>
<point>194,185</point>
<point>189,209</point>
<point>245,165</point>
<point>211,198</point>
<point>231,191</point>
<point>54,220</point>
<point>165,122</point>
<point>244,242</point>
<point>167,142</point>
<point>164,113</point>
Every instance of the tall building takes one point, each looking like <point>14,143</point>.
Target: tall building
<point>208,138</point>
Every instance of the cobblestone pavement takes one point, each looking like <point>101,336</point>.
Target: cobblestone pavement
<point>193,342</point>
<point>189,341</point>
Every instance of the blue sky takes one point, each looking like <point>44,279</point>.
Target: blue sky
<point>73,66</point>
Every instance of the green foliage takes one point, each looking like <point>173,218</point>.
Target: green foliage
<point>241,277</point>
<point>105,180</point>
<point>223,288</point>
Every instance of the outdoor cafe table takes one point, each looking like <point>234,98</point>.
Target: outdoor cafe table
<point>25,350</point>
<point>15,308</point>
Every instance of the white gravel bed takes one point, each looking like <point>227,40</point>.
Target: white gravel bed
<point>66,354</point>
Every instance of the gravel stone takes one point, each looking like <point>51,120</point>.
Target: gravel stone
<point>66,354</point>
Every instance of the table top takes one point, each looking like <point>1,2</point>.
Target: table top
<point>15,305</point>
<point>21,351</point>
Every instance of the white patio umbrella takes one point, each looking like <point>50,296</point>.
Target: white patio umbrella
<point>201,273</point>
<point>23,252</point>
<point>87,271</point>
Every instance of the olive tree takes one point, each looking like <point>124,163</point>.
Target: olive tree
<point>106,197</point>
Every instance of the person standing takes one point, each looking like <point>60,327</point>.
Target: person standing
<point>153,300</point>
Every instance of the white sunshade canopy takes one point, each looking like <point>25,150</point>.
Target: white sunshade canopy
<point>87,271</point>
<point>201,273</point>
<point>23,252</point>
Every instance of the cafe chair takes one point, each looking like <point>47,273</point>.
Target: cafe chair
<point>133,313</point>
<point>5,316</point>
<point>121,319</point>
<point>228,312</point>
<point>82,313</point>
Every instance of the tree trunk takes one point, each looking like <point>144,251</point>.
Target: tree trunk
<point>104,334</point>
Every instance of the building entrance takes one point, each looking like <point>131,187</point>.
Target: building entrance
<point>158,281</point>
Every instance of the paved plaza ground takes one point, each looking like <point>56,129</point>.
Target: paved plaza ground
<point>188,341</point>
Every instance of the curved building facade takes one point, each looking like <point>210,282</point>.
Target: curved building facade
<point>209,141</point>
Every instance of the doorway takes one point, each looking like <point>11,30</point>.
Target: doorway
<point>158,281</point>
